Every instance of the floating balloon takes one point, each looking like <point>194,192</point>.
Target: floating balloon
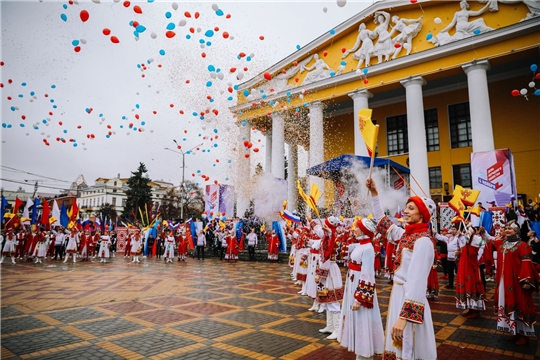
<point>515,92</point>
<point>437,20</point>
<point>429,36</point>
<point>161,52</point>
<point>268,76</point>
<point>332,31</point>
<point>523,91</point>
<point>170,26</point>
<point>153,35</point>
<point>170,34</point>
<point>534,67</point>
<point>137,9</point>
<point>168,14</point>
<point>115,40</point>
<point>341,3</point>
<point>63,17</point>
<point>106,31</point>
<point>324,9</point>
<point>477,31</point>
<point>187,14</point>
<point>343,49</point>
<point>84,15</point>
<point>140,28</point>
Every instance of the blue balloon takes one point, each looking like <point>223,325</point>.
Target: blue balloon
<point>219,12</point>
<point>75,144</point>
<point>63,17</point>
<point>54,106</point>
<point>20,95</point>
<point>208,43</point>
<point>534,67</point>
<point>9,126</point>
<point>215,131</point>
<point>44,121</point>
<point>343,63</point>
<point>235,87</point>
<point>75,42</point>
<point>124,117</point>
<point>134,129</point>
<point>215,145</point>
<point>23,84</point>
<point>65,131</point>
<point>298,47</point>
<point>194,113</point>
<point>211,100</point>
<point>229,161</point>
<point>208,83</point>
<point>201,41</point>
<point>139,66</point>
<point>52,100</point>
<point>248,58</point>
<point>170,26</point>
<point>4,125</point>
<point>209,33</point>
<point>22,125</point>
<point>246,92</point>
<point>332,73</point>
<point>230,98</point>
<point>161,52</point>
<point>168,14</point>
<point>537,92</point>
<point>100,115</point>
<point>477,31</point>
<point>131,23</point>
<point>429,36</point>
<point>332,31</point>
<point>64,6</point>
<point>140,28</point>
<point>143,123</point>
<point>136,34</point>
<point>226,179</point>
<point>53,86</point>
<point>121,126</point>
<point>13,108</point>
<point>137,106</point>
<point>188,36</point>
<point>107,136</point>
<point>211,68</point>
<point>32,93</point>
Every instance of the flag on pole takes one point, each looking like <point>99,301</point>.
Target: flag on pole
<point>64,218</point>
<point>315,193</point>
<point>45,215</point>
<point>55,214</point>
<point>18,203</point>
<point>74,211</point>
<point>35,211</point>
<point>307,199</point>
<point>4,205</point>
<point>370,132</point>
<point>26,212</point>
<point>467,196</point>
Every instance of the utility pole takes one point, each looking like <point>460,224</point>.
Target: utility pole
<point>183,173</point>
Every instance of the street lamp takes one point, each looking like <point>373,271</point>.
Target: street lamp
<point>183,173</point>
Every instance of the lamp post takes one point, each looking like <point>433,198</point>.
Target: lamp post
<point>183,174</point>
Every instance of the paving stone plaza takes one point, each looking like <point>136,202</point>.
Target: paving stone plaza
<point>198,310</point>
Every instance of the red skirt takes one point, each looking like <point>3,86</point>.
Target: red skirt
<point>433,283</point>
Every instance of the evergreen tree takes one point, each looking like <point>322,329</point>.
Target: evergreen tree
<point>138,192</point>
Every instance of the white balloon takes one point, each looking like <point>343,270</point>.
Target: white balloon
<point>35,96</point>
<point>153,35</point>
<point>151,131</point>
<point>157,91</point>
<point>198,29</point>
<point>96,1</point>
<point>42,133</point>
<point>136,38</point>
<point>240,75</point>
<point>31,100</point>
<point>231,37</point>
<point>252,55</point>
<point>437,20</point>
<point>175,6</point>
<point>115,2</point>
<point>83,41</point>
<point>215,7</point>
<point>532,84</point>
<point>220,76</point>
<point>85,148</point>
<point>221,92</point>
<point>48,136</point>
<point>182,22</point>
<point>249,97</point>
<point>253,92</point>
<point>213,75</point>
<point>229,83</point>
<point>27,134</point>
<point>202,46</point>
<point>324,9</point>
<point>523,91</point>
<point>341,3</point>
<point>83,144</point>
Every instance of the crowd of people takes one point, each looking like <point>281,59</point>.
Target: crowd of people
<point>409,253</point>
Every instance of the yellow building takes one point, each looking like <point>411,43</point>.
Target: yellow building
<point>439,76</point>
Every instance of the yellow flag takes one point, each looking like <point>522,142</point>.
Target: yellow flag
<point>456,204</point>
<point>370,216</point>
<point>222,225</point>
<point>263,228</point>
<point>475,210</point>
<point>369,131</point>
<point>52,220</point>
<point>206,228</point>
<point>315,193</point>
<point>307,199</point>
<point>284,205</point>
<point>468,196</point>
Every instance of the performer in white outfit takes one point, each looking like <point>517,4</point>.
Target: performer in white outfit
<point>104,246</point>
<point>9,247</point>
<point>40,251</point>
<point>409,326</point>
<point>317,234</point>
<point>72,244</point>
<point>360,324</point>
<point>168,255</point>
<point>328,279</point>
<point>302,256</point>
<point>136,247</point>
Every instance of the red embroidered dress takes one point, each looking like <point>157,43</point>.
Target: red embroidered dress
<point>470,293</point>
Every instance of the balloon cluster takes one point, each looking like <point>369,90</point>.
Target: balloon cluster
<point>532,84</point>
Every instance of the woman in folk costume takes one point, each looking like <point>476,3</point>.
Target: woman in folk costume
<point>515,282</point>
<point>31,244</point>
<point>168,254</point>
<point>273,246</point>
<point>136,247</point>
<point>40,251</point>
<point>232,246</point>
<point>316,235</point>
<point>328,278</point>
<point>470,292</point>
<point>409,327</point>
<point>72,244</point>
<point>301,259</point>
<point>9,246</point>
<point>360,324</point>
<point>85,240</point>
<point>104,245</point>
<point>182,245</point>
<point>432,291</point>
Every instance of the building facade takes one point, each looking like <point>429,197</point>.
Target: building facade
<point>440,76</point>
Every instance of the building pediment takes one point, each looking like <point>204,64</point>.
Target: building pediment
<point>383,36</point>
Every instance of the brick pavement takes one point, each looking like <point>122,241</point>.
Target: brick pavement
<point>197,310</point>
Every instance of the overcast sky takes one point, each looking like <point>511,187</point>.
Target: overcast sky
<point>53,87</point>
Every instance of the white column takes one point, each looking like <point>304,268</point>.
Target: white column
<point>481,128</point>
<point>292,177</point>
<point>316,143</point>
<point>268,155</point>
<point>278,145</point>
<point>244,170</point>
<point>360,101</point>
<point>418,162</point>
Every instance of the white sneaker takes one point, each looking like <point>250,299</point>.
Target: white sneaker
<point>300,292</point>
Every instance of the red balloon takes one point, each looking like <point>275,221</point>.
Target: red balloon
<point>170,34</point>
<point>242,54</point>
<point>187,14</point>
<point>197,15</point>
<point>230,89</point>
<point>256,149</point>
<point>215,111</point>
<point>246,143</point>
<point>537,76</point>
<point>216,29</point>
<point>203,55</point>
<point>247,156</point>
<point>135,24</point>
<point>325,54</point>
<point>60,123</point>
<point>225,35</point>
<point>249,145</point>
<point>233,69</point>
<point>515,92</point>
<point>106,31</point>
<point>215,182</point>
<point>84,15</point>
<point>295,63</point>
<point>77,48</point>
<point>181,112</point>
<point>211,213</point>
<point>366,81</point>
<point>343,49</point>
<point>397,45</point>
<point>192,30</point>
<point>268,76</point>
<point>137,9</point>
<point>261,37</point>
<point>228,16</point>
<point>413,1</point>
<point>114,39</point>
<point>127,3</point>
